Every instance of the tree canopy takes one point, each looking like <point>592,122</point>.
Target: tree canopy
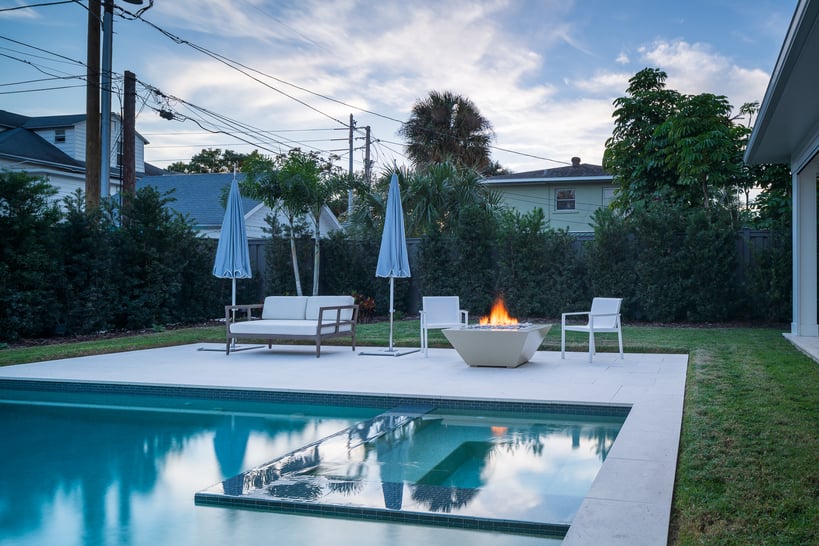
<point>297,183</point>
<point>446,126</point>
<point>210,160</point>
<point>671,147</point>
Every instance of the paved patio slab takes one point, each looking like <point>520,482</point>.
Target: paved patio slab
<point>629,502</point>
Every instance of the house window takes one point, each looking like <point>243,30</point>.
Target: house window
<point>564,199</point>
<point>59,136</point>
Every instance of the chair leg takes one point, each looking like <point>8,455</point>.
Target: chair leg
<point>620,339</point>
<point>563,341</point>
<point>424,342</point>
<point>592,348</point>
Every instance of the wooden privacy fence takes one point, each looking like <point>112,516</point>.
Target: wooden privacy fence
<point>748,242</point>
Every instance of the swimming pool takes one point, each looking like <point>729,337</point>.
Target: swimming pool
<point>98,473</point>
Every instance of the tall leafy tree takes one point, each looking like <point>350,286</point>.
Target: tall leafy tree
<point>448,126</point>
<point>632,154</point>
<point>210,160</point>
<point>702,147</point>
<point>679,149</point>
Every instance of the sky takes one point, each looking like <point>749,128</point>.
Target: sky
<point>272,75</point>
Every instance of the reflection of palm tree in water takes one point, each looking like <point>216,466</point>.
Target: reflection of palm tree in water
<point>603,438</point>
<point>441,490</point>
<point>440,498</point>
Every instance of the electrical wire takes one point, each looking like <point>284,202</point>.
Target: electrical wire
<point>236,65</point>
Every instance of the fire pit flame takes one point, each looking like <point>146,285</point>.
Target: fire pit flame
<point>498,316</point>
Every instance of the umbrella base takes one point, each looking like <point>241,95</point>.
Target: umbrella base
<point>234,348</point>
<point>389,352</point>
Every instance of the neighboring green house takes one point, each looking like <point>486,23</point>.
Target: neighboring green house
<point>568,195</point>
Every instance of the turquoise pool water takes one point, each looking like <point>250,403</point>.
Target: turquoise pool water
<point>98,474</point>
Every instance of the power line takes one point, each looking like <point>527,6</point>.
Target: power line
<point>238,66</point>
<point>38,5</point>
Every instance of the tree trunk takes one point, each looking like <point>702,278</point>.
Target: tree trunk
<point>295,259</point>
<point>316,252</point>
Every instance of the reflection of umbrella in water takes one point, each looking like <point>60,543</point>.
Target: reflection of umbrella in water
<point>392,452</point>
<point>230,444</point>
<point>232,254</point>
<point>393,260</point>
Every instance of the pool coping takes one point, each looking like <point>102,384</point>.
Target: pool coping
<point>629,501</point>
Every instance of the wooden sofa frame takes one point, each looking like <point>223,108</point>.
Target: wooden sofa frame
<point>335,322</point>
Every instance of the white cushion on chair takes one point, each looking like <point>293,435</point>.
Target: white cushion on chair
<point>314,303</point>
<point>284,307</point>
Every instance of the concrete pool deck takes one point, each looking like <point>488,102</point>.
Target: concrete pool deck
<point>629,502</point>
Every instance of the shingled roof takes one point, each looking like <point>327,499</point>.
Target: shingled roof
<point>23,144</point>
<point>197,195</point>
<point>576,170</point>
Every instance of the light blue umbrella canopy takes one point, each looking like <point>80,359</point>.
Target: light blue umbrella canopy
<point>392,258</point>
<point>232,254</point>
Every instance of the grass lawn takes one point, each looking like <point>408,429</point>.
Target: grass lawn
<point>748,469</point>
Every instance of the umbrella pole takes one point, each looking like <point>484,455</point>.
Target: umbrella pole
<point>233,303</point>
<point>392,306</point>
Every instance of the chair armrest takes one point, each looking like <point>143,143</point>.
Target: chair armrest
<point>337,309</point>
<point>232,310</point>
<point>464,316</point>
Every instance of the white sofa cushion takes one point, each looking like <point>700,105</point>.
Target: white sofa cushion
<point>284,307</point>
<point>284,327</point>
<point>315,302</point>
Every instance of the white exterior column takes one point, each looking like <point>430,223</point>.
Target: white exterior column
<point>804,251</point>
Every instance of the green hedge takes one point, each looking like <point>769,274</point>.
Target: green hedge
<point>67,271</point>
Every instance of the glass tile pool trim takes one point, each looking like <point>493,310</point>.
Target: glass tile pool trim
<point>317,398</point>
<point>260,477</point>
<point>551,530</point>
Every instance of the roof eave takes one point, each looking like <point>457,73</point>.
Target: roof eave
<point>772,149</point>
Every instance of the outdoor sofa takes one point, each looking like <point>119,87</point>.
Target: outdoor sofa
<point>293,317</point>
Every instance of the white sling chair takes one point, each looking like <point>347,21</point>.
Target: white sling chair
<point>440,312</point>
<point>603,317</point>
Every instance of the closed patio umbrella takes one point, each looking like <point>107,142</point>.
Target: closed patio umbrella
<point>393,260</point>
<point>232,254</point>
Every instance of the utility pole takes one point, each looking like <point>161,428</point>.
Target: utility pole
<point>92,108</point>
<point>350,191</point>
<point>367,156</point>
<point>105,122</point>
<point>129,137</point>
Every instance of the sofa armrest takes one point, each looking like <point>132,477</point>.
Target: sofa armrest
<point>333,313</point>
<point>231,311</point>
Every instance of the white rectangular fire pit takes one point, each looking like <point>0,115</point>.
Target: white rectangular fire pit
<point>497,346</point>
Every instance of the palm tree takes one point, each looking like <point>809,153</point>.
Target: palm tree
<point>448,126</point>
<point>432,199</point>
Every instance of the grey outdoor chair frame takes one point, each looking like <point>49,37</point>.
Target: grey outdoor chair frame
<point>440,312</point>
<point>604,317</point>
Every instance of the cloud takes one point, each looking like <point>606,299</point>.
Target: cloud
<point>695,68</point>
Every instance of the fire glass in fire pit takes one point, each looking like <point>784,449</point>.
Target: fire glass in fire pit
<point>498,341</point>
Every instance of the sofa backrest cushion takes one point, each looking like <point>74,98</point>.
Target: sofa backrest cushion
<point>315,302</point>
<point>284,307</point>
